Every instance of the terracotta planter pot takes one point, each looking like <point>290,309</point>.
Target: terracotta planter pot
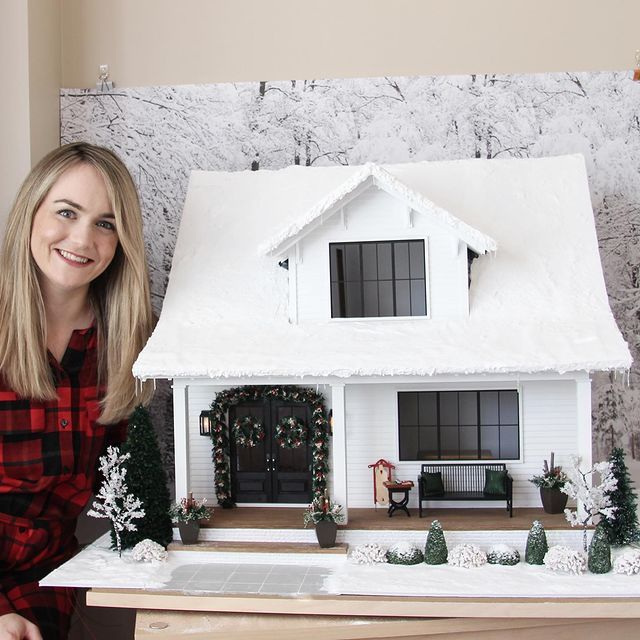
<point>326,533</point>
<point>553,500</point>
<point>189,531</point>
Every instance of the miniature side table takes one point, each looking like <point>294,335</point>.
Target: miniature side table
<point>400,488</point>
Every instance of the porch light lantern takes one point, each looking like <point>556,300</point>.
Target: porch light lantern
<point>205,423</point>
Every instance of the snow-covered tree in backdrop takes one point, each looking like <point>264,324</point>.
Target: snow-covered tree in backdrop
<point>594,500</point>
<point>113,500</point>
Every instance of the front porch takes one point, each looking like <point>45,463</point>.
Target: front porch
<point>478,519</point>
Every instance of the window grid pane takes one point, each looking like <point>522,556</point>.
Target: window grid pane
<point>397,269</point>
<point>465,425</point>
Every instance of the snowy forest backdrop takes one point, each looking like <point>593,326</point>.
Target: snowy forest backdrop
<point>164,132</point>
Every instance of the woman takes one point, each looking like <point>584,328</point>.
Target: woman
<point>74,313</point>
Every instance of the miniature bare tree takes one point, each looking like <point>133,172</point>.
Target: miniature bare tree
<point>113,501</point>
<point>593,500</point>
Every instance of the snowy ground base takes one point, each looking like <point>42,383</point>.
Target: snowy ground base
<point>295,574</point>
<point>518,581</point>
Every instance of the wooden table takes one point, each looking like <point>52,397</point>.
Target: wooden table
<point>402,488</point>
<point>178,615</point>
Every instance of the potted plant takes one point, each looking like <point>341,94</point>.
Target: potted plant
<point>550,483</point>
<point>326,516</point>
<point>188,513</point>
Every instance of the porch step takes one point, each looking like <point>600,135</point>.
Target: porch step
<point>258,547</point>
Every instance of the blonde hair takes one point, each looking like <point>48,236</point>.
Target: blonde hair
<point>119,297</point>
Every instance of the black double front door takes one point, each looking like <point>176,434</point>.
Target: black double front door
<point>268,472</point>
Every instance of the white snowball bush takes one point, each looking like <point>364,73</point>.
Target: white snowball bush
<point>467,556</point>
<point>503,554</point>
<point>149,551</point>
<point>368,554</point>
<point>627,563</point>
<point>561,558</point>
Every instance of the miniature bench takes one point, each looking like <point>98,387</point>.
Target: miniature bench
<point>469,481</point>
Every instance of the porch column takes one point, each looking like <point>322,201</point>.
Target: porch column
<point>181,438</point>
<point>339,448</point>
<point>583,420</point>
<point>584,424</point>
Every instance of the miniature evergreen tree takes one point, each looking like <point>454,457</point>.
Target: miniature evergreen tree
<point>147,480</point>
<point>435,550</point>
<point>537,545</point>
<point>113,501</point>
<point>622,527</point>
<point>600,552</point>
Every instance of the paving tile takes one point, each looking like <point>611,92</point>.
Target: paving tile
<point>240,578</point>
<point>281,589</point>
<point>204,586</point>
<point>242,588</point>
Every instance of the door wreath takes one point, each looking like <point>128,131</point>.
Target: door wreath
<point>247,431</point>
<point>291,433</point>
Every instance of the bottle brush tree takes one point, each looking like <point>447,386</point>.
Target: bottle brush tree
<point>622,526</point>
<point>599,552</point>
<point>147,480</point>
<point>537,546</point>
<point>435,550</point>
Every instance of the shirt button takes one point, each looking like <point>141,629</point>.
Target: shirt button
<point>65,470</point>
<point>64,422</point>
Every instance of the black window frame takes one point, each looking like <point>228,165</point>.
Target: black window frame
<point>354,293</point>
<point>432,424</point>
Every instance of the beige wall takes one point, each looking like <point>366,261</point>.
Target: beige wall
<point>45,44</point>
<point>156,42</point>
<point>30,74</point>
<point>14,80</point>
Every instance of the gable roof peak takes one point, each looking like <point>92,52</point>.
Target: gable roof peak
<point>383,178</point>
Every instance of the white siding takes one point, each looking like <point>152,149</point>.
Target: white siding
<point>548,423</point>
<point>375,215</point>
<point>548,416</point>
<point>200,449</point>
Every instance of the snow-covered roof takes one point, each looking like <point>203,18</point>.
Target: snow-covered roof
<point>365,175</point>
<point>538,304</point>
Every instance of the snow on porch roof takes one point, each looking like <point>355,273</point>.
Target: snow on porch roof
<point>366,175</point>
<point>538,304</point>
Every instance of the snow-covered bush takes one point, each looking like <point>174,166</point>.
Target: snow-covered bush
<point>561,558</point>
<point>627,563</point>
<point>435,550</point>
<point>537,545</point>
<point>599,557</point>
<point>368,554</point>
<point>404,553</point>
<point>149,551</point>
<point>503,554</point>
<point>467,556</point>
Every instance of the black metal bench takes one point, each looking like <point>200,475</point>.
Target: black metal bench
<point>464,482</point>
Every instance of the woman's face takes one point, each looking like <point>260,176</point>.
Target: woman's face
<point>73,235</point>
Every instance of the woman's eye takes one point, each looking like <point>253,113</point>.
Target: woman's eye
<point>66,213</point>
<point>105,224</point>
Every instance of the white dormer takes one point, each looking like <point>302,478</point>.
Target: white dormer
<point>375,248</point>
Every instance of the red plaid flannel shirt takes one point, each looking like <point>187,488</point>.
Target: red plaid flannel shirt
<point>48,464</point>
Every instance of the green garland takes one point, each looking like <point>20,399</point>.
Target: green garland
<point>247,431</point>
<point>319,432</point>
<point>291,433</point>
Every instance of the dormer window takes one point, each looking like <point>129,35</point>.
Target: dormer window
<point>378,279</point>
